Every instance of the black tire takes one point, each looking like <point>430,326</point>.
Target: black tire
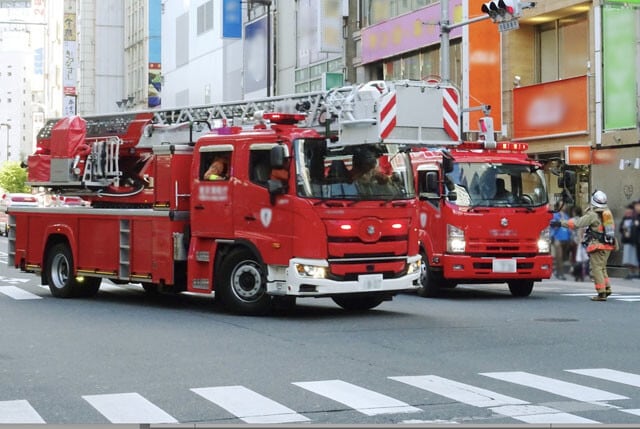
<point>357,302</point>
<point>59,272</point>
<point>429,285</point>
<point>521,287</point>
<point>88,287</point>
<point>150,288</point>
<point>243,284</point>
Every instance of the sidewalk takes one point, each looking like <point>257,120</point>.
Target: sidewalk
<point>618,284</point>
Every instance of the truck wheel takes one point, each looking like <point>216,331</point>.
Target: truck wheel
<point>60,278</point>
<point>243,284</point>
<point>521,287</point>
<point>429,286</point>
<point>88,287</point>
<point>358,302</point>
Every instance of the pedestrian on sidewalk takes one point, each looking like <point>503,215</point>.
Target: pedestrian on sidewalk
<point>599,240</point>
<point>629,251</point>
<point>561,239</point>
<point>636,229</point>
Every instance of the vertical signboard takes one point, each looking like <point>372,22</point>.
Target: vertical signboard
<point>155,54</point>
<point>255,55</point>
<point>330,26</point>
<point>619,68</point>
<point>69,58</point>
<point>231,19</point>
<point>482,68</point>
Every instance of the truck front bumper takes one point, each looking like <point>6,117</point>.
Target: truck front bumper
<point>475,269</point>
<point>294,281</point>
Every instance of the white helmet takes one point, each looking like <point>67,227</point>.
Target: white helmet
<point>599,199</point>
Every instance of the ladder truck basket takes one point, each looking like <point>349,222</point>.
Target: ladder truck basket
<point>101,167</point>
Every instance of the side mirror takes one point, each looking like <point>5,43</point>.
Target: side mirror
<point>431,182</point>
<point>277,156</point>
<point>447,165</point>
<point>275,187</point>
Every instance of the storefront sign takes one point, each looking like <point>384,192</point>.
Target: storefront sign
<point>619,45</point>
<point>577,155</point>
<point>551,109</point>
<point>408,32</point>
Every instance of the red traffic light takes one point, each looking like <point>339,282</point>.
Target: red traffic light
<point>501,10</point>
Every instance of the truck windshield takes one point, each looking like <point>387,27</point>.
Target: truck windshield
<point>364,172</point>
<point>496,185</point>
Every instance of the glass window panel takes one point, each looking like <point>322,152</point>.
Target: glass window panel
<point>412,67</point>
<point>548,55</point>
<point>574,46</point>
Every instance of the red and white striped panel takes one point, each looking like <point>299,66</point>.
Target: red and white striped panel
<point>388,114</point>
<point>451,112</point>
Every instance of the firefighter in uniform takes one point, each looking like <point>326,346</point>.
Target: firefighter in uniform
<point>599,240</point>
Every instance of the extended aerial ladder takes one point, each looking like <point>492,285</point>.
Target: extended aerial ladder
<point>109,153</point>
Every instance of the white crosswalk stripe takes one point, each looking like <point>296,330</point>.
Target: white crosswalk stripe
<point>249,406</point>
<point>17,293</point>
<point>557,387</point>
<point>18,412</point>
<point>363,400</point>
<point>499,404</point>
<point>252,407</point>
<point>128,408</point>
<point>610,375</point>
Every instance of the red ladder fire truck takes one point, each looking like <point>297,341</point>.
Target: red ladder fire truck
<point>484,212</point>
<point>287,220</point>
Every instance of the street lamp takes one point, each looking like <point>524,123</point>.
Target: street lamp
<point>8,125</point>
<point>267,3</point>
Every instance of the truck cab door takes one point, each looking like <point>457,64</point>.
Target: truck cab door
<point>263,214</point>
<point>211,214</point>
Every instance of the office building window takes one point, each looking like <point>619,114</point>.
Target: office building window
<point>205,17</point>
<point>563,48</point>
<point>375,11</point>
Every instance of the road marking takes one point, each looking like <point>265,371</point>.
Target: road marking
<point>610,375</point>
<point>249,406</point>
<point>17,293</point>
<point>536,414</point>
<point>460,392</point>
<point>557,387</point>
<point>13,280</point>
<point>500,404</point>
<point>128,408</point>
<point>18,412</point>
<point>362,400</point>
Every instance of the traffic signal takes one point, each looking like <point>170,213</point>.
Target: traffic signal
<point>502,10</point>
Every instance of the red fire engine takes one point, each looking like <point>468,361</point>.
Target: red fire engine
<point>286,218</point>
<point>484,215</point>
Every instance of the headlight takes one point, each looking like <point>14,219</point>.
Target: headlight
<point>544,243</point>
<point>455,240</point>
<point>414,267</point>
<point>312,271</point>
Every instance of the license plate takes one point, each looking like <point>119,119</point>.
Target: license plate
<point>370,281</point>
<point>504,266</point>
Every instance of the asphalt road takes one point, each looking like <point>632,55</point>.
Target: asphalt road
<point>476,355</point>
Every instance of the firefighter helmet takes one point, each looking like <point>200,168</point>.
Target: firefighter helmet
<point>599,199</point>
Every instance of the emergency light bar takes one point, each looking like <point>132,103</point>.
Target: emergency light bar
<point>507,146</point>
<point>284,118</point>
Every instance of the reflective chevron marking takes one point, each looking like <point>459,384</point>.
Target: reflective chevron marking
<point>17,293</point>
<point>362,400</point>
<point>249,406</point>
<point>557,387</point>
<point>500,404</point>
<point>610,375</point>
<point>18,412</point>
<point>128,408</point>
